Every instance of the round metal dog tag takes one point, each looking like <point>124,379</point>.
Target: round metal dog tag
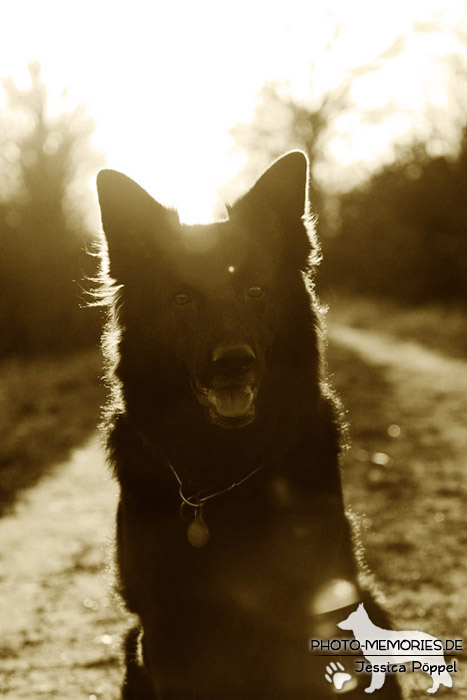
<point>197,532</point>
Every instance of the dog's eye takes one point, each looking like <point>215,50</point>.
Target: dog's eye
<point>182,299</point>
<point>255,292</point>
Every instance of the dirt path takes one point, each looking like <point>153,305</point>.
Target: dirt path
<point>61,626</point>
<point>59,621</point>
<point>407,474</point>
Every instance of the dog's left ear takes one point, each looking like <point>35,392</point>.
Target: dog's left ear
<point>284,185</point>
<point>282,190</point>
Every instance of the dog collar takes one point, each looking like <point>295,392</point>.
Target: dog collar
<point>197,531</point>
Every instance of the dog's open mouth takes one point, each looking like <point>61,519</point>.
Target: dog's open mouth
<point>230,406</point>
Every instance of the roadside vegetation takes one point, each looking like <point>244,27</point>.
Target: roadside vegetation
<point>50,366</point>
<point>48,406</point>
<point>438,327</point>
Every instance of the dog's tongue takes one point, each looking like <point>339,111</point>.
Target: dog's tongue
<point>231,402</point>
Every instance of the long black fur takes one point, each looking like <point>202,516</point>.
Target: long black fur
<point>231,619</point>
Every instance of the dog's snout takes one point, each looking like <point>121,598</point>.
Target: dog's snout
<point>229,359</point>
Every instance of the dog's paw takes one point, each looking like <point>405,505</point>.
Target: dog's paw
<point>336,675</point>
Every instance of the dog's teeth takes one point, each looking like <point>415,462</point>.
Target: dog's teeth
<point>231,403</point>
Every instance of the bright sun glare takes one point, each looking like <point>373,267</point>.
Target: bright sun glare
<point>166,81</point>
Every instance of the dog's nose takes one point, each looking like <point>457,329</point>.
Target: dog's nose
<point>233,359</point>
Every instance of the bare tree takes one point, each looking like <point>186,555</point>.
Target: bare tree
<point>42,234</point>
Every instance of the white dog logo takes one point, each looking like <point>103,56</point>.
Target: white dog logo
<point>371,638</point>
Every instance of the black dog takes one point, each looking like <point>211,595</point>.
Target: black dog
<point>233,546</point>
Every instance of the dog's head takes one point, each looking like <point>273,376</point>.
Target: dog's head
<point>202,306</point>
<point>355,619</point>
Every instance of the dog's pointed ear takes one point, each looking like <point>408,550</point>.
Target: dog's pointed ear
<point>131,220</point>
<point>284,185</point>
<point>282,191</point>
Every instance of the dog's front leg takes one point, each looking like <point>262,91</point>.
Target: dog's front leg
<point>377,681</point>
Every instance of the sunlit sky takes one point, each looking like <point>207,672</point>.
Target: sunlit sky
<point>166,81</point>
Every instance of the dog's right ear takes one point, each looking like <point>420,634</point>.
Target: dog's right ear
<point>131,220</point>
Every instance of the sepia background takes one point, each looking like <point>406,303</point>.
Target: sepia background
<point>194,100</point>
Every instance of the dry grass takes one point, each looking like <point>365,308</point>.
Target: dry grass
<point>47,407</point>
<point>441,328</point>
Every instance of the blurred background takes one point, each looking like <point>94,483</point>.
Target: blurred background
<point>193,101</point>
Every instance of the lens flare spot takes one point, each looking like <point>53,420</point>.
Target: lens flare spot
<point>336,594</point>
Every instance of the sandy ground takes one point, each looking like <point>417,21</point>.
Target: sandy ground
<point>406,475</point>
<point>61,624</point>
